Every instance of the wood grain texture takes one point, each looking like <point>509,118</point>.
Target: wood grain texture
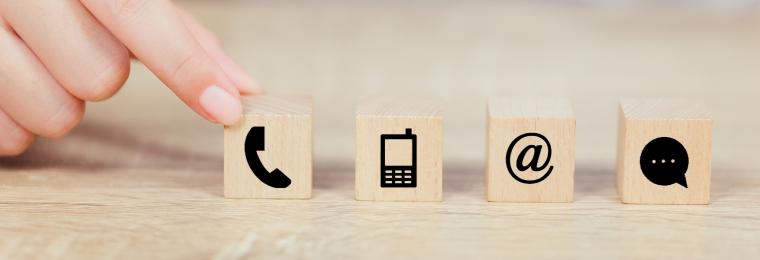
<point>687,122</point>
<point>419,117</point>
<point>288,138</point>
<point>510,119</point>
<point>142,176</point>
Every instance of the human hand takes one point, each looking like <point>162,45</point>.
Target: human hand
<point>55,55</point>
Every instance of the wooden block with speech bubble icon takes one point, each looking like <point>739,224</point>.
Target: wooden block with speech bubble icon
<point>531,150</point>
<point>268,153</point>
<point>399,144</point>
<point>664,151</point>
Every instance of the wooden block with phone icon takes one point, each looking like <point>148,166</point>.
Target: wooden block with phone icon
<point>531,150</point>
<point>664,152</point>
<point>398,150</point>
<point>268,153</point>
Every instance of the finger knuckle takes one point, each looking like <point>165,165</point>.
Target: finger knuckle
<point>186,67</point>
<point>108,81</point>
<point>16,145</point>
<point>62,121</point>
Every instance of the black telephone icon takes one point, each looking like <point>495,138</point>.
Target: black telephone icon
<point>254,142</point>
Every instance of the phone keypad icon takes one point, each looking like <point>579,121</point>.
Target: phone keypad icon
<point>398,178</point>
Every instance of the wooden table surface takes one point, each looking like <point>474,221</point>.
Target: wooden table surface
<point>141,177</point>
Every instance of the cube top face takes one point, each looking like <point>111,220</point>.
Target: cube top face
<point>268,153</point>
<point>398,150</point>
<point>399,107</point>
<point>531,150</point>
<point>511,108</point>
<point>664,109</point>
<point>664,152</point>
<point>291,105</point>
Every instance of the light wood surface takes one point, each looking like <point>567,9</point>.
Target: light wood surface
<point>418,124</point>
<point>142,176</point>
<point>538,133</point>
<point>689,124</point>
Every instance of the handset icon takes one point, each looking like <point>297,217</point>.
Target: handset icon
<point>254,142</point>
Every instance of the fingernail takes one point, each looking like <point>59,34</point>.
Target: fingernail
<point>239,76</point>
<point>221,105</point>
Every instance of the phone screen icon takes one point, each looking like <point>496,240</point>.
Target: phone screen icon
<point>398,157</point>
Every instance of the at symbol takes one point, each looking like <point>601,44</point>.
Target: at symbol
<point>533,164</point>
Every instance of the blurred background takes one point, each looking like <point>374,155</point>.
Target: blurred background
<point>144,172</point>
<point>462,52</point>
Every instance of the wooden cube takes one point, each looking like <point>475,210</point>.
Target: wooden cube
<point>664,152</point>
<point>531,150</point>
<point>398,150</point>
<point>268,153</point>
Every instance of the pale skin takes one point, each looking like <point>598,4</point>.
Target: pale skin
<point>55,56</point>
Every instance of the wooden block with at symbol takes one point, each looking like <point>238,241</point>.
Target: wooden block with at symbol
<point>398,150</point>
<point>268,153</point>
<point>664,152</point>
<point>531,150</point>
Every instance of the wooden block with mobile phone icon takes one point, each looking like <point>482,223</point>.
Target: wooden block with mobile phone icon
<point>398,150</point>
<point>531,150</point>
<point>268,153</point>
<point>664,152</point>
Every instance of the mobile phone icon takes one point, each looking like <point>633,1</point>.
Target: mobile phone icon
<point>398,160</point>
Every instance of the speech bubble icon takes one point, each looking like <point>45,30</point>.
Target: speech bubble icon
<point>664,161</point>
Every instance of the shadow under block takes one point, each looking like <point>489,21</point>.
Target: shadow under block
<point>410,130</point>
<point>664,152</point>
<point>287,147</point>
<point>536,176</point>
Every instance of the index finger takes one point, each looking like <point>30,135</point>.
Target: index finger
<point>155,33</point>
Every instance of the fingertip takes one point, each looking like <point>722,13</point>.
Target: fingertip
<point>220,106</point>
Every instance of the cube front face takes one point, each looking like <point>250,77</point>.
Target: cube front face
<point>664,161</point>
<point>519,166</point>
<point>287,147</point>
<point>399,158</point>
